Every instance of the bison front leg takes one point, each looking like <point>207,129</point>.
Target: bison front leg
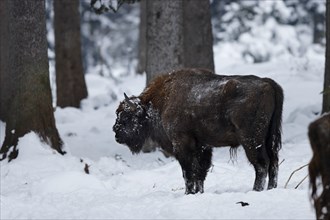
<point>195,166</point>
<point>190,175</point>
<point>189,182</point>
<point>187,162</point>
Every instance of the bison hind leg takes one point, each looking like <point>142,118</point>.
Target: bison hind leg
<point>273,173</point>
<point>204,162</point>
<point>258,157</point>
<point>260,180</point>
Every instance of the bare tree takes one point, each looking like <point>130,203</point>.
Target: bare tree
<point>70,80</point>
<point>197,34</point>
<point>179,34</point>
<point>164,37</point>
<point>141,67</point>
<point>3,60</point>
<point>29,105</point>
<point>326,91</point>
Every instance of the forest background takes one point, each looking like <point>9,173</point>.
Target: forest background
<point>284,40</point>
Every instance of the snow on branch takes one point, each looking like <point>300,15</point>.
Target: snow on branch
<point>103,6</point>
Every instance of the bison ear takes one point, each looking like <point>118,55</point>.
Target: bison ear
<point>130,103</point>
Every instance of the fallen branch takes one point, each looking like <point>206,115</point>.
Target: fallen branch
<point>301,181</point>
<point>287,182</point>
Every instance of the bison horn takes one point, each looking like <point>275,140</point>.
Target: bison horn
<point>129,102</point>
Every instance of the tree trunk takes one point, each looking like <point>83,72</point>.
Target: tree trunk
<point>164,37</point>
<point>326,91</point>
<point>179,34</point>
<point>318,33</point>
<point>142,53</point>
<point>70,81</point>
<point>198,38</point>
<point>4,89</point>
<point>30,102</point>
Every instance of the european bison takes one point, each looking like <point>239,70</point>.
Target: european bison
<point>319,167</point>
<point>189,111</point>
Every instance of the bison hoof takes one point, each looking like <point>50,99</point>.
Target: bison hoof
<point>194,187</point>
<point>258,188</point>
<point>271,186</point>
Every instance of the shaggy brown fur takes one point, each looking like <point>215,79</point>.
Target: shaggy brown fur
<point>156,90</point>
<point>319,167</point>
<point>189,111</point>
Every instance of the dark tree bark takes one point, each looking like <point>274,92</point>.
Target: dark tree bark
<point>318,33</point>
<point>141,67</point>
<point>30,102</point>
<point>179,34</point>
<point>198,38</point>
<point>4,89</point>
<point>164,37</point>
<point>326,91</point>
<point>70,80</point>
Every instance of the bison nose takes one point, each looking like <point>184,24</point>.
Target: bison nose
<point>115,127</point>
<point>118,138</point>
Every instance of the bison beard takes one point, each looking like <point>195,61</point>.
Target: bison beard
<point>131,126</point>
<point>189,111</point>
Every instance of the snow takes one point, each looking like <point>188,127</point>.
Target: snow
<point>41,184</point>
<point>199,92</point>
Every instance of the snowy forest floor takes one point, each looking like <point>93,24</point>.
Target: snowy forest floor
<point>41,184</point>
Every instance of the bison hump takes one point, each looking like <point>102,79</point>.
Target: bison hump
<point>230,86</point>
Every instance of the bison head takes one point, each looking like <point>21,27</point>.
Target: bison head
<point>131,125</point>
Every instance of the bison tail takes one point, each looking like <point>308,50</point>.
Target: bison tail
<point>274,137</point>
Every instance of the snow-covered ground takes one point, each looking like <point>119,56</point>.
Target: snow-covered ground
<point>41,184</point>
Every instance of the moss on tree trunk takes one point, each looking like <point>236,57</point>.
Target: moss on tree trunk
<point>30,102</point>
